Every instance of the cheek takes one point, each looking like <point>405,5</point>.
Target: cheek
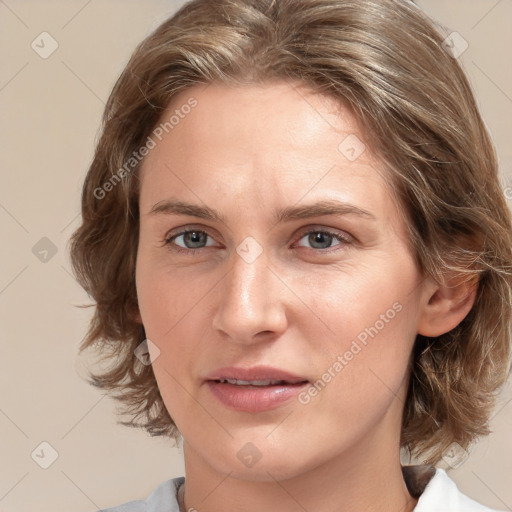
<point>166,296</point>
<point>169,303</point>
<point>367,338</point>
<point>362,304</point>
<point>361,382</point>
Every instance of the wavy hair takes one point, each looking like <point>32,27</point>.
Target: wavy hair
<point>385,60</point>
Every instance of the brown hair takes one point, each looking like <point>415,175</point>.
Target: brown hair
<point>385,60</point>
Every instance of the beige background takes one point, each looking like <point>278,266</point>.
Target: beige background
<point>51,112</point>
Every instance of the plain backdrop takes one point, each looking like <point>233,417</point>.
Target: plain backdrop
<point>51,109</point>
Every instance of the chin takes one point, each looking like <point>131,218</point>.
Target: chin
<point>267,471</point>
<point>264,461</point>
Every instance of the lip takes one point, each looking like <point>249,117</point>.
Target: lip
<point>254,373</point>
<point>254,398</point>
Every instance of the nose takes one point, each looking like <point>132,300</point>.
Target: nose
<point>251,306</point>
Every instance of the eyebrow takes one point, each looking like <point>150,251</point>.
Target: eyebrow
<point>320,208</point>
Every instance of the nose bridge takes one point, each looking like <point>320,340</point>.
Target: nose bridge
<point>250,300</point>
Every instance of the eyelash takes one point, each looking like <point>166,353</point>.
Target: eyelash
<point>169,238</point>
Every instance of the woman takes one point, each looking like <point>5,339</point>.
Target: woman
<point>300,253</point>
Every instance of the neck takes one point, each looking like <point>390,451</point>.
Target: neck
<point>349,482</point>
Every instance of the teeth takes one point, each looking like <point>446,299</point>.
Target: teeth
<point>238,382</point>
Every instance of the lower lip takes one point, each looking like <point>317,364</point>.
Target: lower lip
<point>254,398</point>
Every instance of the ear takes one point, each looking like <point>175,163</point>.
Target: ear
<point>446,305</point>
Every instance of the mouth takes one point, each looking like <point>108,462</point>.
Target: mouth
<point>257,375</point>
<point>254,390</point>
<point>259,383</point>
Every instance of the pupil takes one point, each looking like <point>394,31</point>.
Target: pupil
<point>320,238</point>
<point>194,237</point>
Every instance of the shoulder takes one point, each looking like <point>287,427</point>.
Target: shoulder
<point>441,494</point>
<point>162,498</point>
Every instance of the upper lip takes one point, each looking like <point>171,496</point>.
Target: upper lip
<point>255,373</point>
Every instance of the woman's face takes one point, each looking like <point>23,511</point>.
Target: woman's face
<point>295,281</point>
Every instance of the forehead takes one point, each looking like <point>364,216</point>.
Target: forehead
<point>265,146</point>
<point>288,114</point>
<point>279,127</point>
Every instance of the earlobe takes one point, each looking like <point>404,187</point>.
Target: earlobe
<point>446,305</point>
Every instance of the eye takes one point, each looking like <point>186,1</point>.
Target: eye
<point>188,240</point>
<point>191,240</point>
<point>323,239</point>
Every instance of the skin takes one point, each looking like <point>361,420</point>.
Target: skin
<point>245,151</point>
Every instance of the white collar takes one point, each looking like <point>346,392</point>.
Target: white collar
<point>440,493</point>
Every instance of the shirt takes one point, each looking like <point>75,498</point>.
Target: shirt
<point>439,493</point>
